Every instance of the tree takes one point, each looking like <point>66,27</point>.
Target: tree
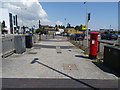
<point>3,24</point>
<point>68,25</point>
<point>60,26</point>
<point>118,32</point>
<point>41,31</point>
<point>56,25</point>
<point>77,27</point>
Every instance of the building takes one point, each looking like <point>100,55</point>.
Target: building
<point>72,30</point>
<point>49,29</point>
<point>83,27</point>
<point>10,20</point>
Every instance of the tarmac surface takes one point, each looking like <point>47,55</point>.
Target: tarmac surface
<point>54,60</point>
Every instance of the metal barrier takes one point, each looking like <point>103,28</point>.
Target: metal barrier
<point>7,46</point>
<point>35,38</point>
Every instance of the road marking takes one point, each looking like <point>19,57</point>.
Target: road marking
<point>1,54</point>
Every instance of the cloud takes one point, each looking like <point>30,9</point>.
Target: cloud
<point>29,11</point>
<point>59,23</point>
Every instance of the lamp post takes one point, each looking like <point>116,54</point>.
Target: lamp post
<point>65,22</point>
<point>87,21</point>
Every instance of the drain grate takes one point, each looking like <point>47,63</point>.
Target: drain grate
<point>69,67</point>
<point>32,53</point>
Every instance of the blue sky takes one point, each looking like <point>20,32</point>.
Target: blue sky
<point>103,14</point>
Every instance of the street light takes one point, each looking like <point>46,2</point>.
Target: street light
<point>65,22</point>
<point>87,20</point>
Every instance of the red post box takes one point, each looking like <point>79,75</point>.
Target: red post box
<point>93,45</point>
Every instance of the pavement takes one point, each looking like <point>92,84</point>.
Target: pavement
<point>54,59</point>
<point>19,65</point>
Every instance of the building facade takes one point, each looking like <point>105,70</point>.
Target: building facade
<point>10,20</point>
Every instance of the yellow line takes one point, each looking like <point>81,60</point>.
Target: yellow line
<point>7,52</point>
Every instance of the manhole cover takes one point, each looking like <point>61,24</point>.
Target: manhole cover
<point>70,67</point>
<point>32,52</point>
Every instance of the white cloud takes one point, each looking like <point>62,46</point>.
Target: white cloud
<point>59,23</point>
<point>28,11</point>
<point>79,0</point>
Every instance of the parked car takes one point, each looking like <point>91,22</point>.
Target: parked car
<point>109,36</point>
<point>78,35</point>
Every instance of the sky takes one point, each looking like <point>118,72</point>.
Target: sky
<point>29,12</point>
<point>103,14</point>
<point>119,16</point>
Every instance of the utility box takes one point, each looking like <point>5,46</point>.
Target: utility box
<point>112,57</point>
<point>19,42</point>
<point>29,41</point>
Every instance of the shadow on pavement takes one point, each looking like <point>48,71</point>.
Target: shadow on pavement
<point>81,56</point>
<point>105,69</point>
<point>51,47</point>
<point>100,65</point>
<point>62,40</point>
<point>81,82</point>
